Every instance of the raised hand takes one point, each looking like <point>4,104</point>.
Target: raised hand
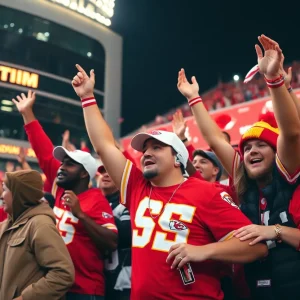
<point>188,90</point>
<point>24,103</point>
<point>21,156</point>
<point>66,136</point>
<point>269,63</point>
<point>83,84</point>
<point>179,125</point>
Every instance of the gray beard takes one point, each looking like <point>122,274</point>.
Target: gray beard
<point>150,174</point>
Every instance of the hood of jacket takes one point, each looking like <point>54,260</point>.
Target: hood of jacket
<point>26,187</point>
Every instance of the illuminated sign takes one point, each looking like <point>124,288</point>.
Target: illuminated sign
<point>98,10</point>
<point>15,150</point>
<point>17,76</point>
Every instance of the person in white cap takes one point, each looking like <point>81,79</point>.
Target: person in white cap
<point>84,217</point>
<point>175,221</point>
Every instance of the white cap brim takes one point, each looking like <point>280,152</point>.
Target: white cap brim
<point>139,140</point>
<point>60,153</point>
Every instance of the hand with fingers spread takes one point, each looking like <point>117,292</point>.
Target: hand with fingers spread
<point>258,232</point>
<point>269,63</point>
<point>70,200</point>
<point>180,254</point>
<point>21,156</point>
<point>66,136</point>
<point>188,90</point>
<point>83,84</point>
<point>179,125</point>
<point>23,103</point>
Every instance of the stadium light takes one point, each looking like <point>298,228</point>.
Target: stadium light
<point>236,78</point>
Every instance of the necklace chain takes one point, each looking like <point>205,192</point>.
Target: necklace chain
<point>165,204</point>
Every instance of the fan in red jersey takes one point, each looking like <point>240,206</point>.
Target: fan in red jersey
<point>175,221</point>
<point>84,217</point>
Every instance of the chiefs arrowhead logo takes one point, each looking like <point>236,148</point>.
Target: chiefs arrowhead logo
<point>155,132</point>
<point>177,225</point>
<point>226,197</point>
<point>106,215</point>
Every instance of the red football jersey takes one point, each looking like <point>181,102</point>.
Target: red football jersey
<point>198,214</point>
<point>88,263</point>
<point>89,277</point>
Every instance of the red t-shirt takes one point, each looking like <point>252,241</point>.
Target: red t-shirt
<point>192,216</point>
<point>87,259</point>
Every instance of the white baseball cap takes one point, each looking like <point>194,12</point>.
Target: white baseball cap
<point>166,137</point>
<point>84,158</point>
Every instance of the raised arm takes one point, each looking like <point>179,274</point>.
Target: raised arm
<point>66,141</point>
<point>209,129</point>
<point>179,128</point>
<point>38,139</point>
<point>98,130</point>
<point>288,144</point>
<point>22,160</point>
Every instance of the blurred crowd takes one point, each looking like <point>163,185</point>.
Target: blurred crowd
<point>226,94</point>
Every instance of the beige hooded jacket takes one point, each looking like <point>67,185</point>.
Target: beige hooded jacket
<point>34,261</point>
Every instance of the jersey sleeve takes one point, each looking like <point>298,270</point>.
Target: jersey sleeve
<point>290,178</point>
<point>102,214</point>
<point>222,216</point>
<point>43,148</point>
<point>132,181</point>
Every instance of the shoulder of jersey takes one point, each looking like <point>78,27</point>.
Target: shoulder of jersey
<point>96,192</point>
<point>202,185</point>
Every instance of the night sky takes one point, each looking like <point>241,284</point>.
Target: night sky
<point>211,39</point>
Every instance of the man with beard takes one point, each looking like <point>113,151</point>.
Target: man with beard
<point>175,221</point>
<point>84,217</point>
<point>118,264</point>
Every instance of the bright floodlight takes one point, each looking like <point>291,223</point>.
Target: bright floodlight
<point>236,77</point>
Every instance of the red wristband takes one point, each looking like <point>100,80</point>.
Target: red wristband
<point>275,83</point>
<point>194,101</point>
<point>274,80</point>
<point>88,102</point>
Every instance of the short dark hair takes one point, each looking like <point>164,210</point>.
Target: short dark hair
<point>199,152</point>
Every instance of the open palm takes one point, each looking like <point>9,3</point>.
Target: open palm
<point>179,124</point>
<point>24,103</point>
<point>270,62</point>
<point>188,90</point>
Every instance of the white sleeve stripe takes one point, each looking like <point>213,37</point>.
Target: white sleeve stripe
<point>125,218</point>
<point>227,237</point>
<point>289,178</point>
<point>124,182</point>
